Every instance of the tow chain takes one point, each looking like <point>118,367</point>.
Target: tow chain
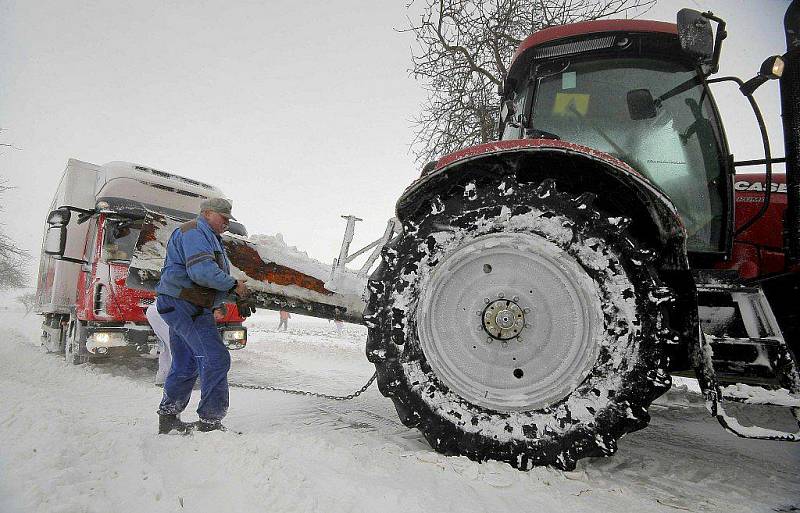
<point>306,392</point>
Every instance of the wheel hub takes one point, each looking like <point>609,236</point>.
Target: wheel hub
<point>524,292</point>
<point>503,319</point>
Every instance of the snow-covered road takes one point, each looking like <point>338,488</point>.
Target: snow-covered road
<point>82,439</point>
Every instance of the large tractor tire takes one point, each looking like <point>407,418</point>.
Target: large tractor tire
<point>514,322</point>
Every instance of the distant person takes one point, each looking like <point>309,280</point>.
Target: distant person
<point>285,316</point>
<point>194,282</point>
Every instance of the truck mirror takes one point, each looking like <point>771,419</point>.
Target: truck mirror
<point>695,35</point>
<point>55,240</point>
<point>58,217</point>
<point>641,104</point>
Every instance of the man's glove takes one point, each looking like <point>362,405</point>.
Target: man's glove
<point>245,307</point>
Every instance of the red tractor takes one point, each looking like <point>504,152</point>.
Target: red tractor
<point>545,287</point>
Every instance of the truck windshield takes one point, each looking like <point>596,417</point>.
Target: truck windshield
<point>119,239</point>
<point>675,143</point>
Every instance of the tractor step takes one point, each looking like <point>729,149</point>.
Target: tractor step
<point>740,336</point>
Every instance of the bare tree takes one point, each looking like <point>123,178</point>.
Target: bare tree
<point>12,258</point>
<point>28,300</point>
<point>462,50</point>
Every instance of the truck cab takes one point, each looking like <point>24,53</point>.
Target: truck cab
<point>94,223</point>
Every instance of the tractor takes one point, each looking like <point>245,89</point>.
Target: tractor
<point>535,294</point>
<point>545,287</point>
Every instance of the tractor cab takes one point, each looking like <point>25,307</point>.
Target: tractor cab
<point>624,87</point>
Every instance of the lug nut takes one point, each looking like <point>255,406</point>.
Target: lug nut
<point>488,340</point>
<point>500,295</point>
<point>486,300</point>
<point>516,298</point>
<point>527,310</point>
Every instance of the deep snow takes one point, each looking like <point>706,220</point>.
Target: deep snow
<point>82,439</point>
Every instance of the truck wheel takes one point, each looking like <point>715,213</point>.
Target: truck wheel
<point>516,323</point>
<point>74,342</point>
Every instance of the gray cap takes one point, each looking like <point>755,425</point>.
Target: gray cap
<point>218,205</point>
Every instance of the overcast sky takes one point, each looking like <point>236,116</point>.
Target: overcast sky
<point>299,111</point>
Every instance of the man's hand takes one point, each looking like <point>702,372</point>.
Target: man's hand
<point>219,313</point>
<point>241,289</point>
<point>245,308</point>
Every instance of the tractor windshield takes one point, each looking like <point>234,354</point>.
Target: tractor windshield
<point>653,114</point>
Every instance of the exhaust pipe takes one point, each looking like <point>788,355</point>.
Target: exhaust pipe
<point>790,108</point>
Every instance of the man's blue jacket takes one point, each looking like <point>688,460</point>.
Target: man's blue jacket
<point>196,268</point>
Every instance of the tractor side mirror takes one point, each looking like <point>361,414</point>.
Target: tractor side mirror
<point>695,35</point>
<point>641,104</point>
<point>55,240</point>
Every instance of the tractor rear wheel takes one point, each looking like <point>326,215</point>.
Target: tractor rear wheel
<point>517,323</point>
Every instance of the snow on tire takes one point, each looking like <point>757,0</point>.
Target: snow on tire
<point>515,322</point>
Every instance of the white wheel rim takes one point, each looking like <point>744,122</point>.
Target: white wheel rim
<point>495,278</point>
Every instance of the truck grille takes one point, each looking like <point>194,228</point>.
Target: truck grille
<point>99,303</point>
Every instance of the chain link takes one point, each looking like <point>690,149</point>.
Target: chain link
<point>306,392</point>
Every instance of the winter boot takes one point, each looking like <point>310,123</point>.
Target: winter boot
<point>171,422</point>
<point>205,426</point>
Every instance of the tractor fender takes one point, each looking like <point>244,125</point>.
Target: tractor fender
<point>618,188</point>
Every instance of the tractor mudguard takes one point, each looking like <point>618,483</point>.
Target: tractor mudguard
<point>578,169</point>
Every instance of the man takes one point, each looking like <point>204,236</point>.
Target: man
<point>195,281</point>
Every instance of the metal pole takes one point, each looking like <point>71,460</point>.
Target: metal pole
<point>348,238</point>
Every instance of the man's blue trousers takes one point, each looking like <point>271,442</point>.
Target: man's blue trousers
<point>197,350</point>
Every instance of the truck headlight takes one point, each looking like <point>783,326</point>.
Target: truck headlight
<point>233,335</point>
<point>105,339</point>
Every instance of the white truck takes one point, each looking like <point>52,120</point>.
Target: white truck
<point>93,224</point>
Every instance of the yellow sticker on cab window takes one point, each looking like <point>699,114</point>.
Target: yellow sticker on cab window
<point>571,104</point>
